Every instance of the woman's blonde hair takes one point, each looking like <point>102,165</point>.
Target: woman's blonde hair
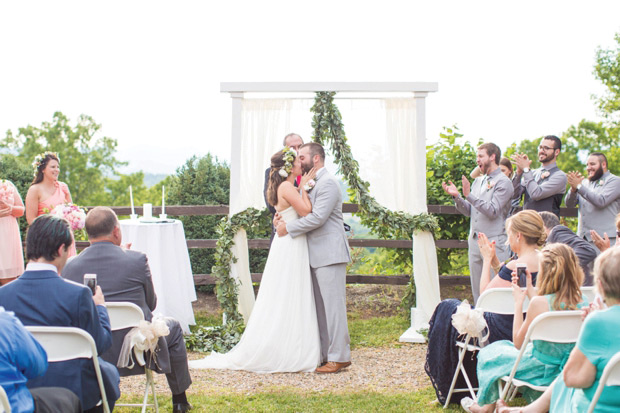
<point>560,274</point>
<point>530,225</point>
<point>607,271</point>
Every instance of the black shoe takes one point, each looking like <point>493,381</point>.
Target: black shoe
<point>181,407</point>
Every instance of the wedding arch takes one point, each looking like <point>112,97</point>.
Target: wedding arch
<point>258,125</point>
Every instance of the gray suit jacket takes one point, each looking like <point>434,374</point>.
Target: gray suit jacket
<point>599,203</point>
<point>583,249</point>
<point>327,242</point>
<point>487,204</point>
<point>123,275</point>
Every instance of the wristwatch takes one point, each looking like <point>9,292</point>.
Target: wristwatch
<point>526,170</point>
<point>578,187</point>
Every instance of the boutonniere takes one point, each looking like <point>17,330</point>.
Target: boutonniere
<point>309,185</point>
<point>545,175</point>
<point>490,184</point>
<point>601,182</point>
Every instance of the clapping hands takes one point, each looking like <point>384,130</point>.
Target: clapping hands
<point>522,162</point>
<point>452,190</point>
<point>574,179</point>
<point>602,243</point>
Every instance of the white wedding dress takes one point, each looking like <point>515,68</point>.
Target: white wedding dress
<point>282,334</point>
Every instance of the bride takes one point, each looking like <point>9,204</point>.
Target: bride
<point>282,334</point>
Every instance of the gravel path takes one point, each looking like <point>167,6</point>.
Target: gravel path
<point>384,370</point>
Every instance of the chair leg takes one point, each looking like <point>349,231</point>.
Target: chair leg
<point>462,352</point>
<point>150,382</point>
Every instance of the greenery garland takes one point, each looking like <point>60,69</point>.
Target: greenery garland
<point>328,129</point>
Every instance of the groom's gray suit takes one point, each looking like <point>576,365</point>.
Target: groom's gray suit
<point>329,254</point>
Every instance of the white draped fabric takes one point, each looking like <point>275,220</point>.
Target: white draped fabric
<point>264,123</point>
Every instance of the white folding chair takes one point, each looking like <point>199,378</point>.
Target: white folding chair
<point>589,293</point>
<point>552,326</point>
<point>69,343</point>
<point>493,300</point>
<point>5,406</point>
<point>610,377</point>
<point>125,315</point>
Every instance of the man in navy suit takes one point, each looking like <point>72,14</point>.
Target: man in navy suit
<point>41,298</point>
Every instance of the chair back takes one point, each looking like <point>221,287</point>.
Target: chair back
<point>610,377</point>
<point>589,293</point>
<point>124,314</point>
<point>5,406</point>
<point>499,301</point>
<point>556,327</point>
<point>69,343</point>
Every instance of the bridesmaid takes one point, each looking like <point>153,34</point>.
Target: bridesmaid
<point>46,191</point>
<point>11,253</point>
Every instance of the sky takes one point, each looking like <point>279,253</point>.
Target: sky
<point>149,71</point>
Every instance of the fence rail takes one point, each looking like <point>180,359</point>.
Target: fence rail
<point>403,279</point>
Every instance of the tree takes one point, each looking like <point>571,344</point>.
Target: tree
<point>205,181</point>
<point>85,159</point>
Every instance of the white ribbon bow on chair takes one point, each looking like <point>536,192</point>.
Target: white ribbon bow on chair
<point>140,339</point>
<point>470,321</point>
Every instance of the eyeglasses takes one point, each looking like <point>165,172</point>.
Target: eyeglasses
<point>546,148</point>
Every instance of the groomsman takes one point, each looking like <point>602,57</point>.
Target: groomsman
<point>544,187</point>
<point>598,198</point>
<point>487,202</point>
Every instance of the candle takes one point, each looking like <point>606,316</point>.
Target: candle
<point>163,200</point>
<point>131,200</point>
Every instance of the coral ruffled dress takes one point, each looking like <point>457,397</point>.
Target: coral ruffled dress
<point>59,197</point>
<point>11,253</point>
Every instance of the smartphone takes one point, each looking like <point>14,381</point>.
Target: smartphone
<point>90,280</point>
<point>521,274</point>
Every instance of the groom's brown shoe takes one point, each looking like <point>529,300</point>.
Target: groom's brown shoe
<point>332,367</point>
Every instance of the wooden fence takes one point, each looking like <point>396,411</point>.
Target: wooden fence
<point>403,279</point>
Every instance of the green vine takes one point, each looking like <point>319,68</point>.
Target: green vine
<point>328,129</point>
<point>223,338</point>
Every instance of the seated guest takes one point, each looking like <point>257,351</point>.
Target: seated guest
<point>603,243</point>
<point>583,249</point>
<point>559,288</point>
<point>41,298</point>
<point>23,358</point>
<point>525,234</point>
<point>124,275</point>
<point>598,342</point>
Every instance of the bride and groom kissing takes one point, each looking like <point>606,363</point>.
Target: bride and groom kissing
<point>299,320</point>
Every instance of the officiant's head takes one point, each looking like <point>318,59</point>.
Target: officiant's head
<point>311,155</point>
<point>102,225</point>
<point>293,140</point>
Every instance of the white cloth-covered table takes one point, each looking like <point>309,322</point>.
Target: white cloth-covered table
<point>165,246</point>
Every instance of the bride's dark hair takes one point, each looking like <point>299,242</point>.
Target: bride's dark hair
<point>275,179</point>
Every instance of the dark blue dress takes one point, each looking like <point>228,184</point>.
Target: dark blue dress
<point>442,356</point>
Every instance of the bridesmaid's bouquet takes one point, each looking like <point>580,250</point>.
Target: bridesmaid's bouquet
<point>6,190</point>
<point>75,215</point>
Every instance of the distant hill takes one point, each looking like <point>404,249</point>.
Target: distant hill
<point>153,179</point>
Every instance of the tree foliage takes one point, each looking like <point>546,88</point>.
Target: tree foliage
<point>85,159</point>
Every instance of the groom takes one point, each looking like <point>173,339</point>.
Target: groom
<point>329,254</point>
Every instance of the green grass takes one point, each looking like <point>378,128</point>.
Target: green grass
<point>289,400</point>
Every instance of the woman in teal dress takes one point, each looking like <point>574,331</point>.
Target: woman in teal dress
<point>559,288</point>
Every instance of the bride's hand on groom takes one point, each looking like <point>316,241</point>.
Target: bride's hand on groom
<point>276,219</point>
<point>305,178</point>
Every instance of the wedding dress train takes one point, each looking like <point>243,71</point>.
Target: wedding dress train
<point>282,334</point>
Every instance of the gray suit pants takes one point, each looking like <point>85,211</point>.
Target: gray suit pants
<point>475,260</point>
<point>329,284</point>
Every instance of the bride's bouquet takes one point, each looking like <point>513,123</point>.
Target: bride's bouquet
<point>75,215</point>
<point>6,190</point>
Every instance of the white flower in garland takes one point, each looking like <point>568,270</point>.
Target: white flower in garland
<point>289,157</point>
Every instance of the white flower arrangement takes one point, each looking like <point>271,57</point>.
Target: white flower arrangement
<point>289,157</point>
<point>309,185</point>
<point>39,158</point>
